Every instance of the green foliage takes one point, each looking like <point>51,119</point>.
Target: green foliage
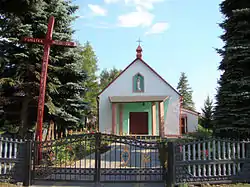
<point>207,114</point>
<point>89,65</point>
<point>20,66</point>
<point>232,111</point>
<point>163,153</point>
<point>17,6</point>
<point>183,185</point>
<point>185,90</point>
<point>107,76</point>
<point>201,133</point>
<point>67,151</point>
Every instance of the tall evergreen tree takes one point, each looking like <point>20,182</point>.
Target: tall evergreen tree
<point>207,114</point>
<point>20,67</point>
<point>107,76</point>
<point>89,65</point>
<point>185,90</point>
<point>232,111</point>
<point>17,6</point>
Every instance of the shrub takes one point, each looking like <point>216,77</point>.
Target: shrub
<point>63,152</point>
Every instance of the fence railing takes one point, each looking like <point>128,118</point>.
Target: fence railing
<point>209,161</point>
<point>203,161</point>
<point>8,154</point>
<point>14,160</point>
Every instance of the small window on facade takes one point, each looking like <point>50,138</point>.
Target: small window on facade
<point>138,83</point>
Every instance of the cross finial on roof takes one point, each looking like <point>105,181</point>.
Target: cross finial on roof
<point>139,50</point>
<point>139,41</point>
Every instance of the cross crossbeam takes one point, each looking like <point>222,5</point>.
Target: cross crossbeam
<point>139,41</point>
<point>51,42</point>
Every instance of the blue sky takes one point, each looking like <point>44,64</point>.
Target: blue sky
<point>178,36</point>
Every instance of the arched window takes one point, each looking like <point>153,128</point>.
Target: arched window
<point>138,83</point>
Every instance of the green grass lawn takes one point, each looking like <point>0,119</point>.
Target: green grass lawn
<point>2,184</point>
<point>228,185</point>
<point>219,185</point>
<point>185,185</point>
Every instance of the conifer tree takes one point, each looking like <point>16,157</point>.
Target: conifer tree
<point>185,90</point>
<point>107,76</point>
<point>207,114</point>
<point>232,111</point>
<point>20,67</point>
<point>90,66</point>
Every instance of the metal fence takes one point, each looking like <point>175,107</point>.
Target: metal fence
<point>209,161</point>
<point>14,156</point>
<point>100,158</point>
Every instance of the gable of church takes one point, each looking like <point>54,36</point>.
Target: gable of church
<point>139,78</point>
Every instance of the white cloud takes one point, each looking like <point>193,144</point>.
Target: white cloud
<point>97,10</point>
<point>136,19</point>
<point>158,28</point>
<point>147,4</point>
<point>111,1</point>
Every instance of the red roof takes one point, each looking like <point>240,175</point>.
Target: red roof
<point>190,111</point>
<point>148,67</point>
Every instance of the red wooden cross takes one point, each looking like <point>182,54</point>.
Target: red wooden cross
<point>47,42</point>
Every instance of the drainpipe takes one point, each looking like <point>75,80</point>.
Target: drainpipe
<point>97,103</point>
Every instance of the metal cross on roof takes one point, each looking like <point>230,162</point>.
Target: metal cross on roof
<point>139,41</point>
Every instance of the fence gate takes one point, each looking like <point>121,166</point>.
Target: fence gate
<point>99,158</point>
<point>129,159</point>
<point>68,159</point>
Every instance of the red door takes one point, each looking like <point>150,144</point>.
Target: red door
<point>138,123</point>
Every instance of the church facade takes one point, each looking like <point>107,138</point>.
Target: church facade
<point>140,102</point>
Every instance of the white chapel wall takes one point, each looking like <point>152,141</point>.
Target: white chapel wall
<point>192,121</point>
<point>172,124</point>
<point>123,86</point>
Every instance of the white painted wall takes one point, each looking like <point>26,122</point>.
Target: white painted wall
<point>123,86</point>
<point>192,121</point>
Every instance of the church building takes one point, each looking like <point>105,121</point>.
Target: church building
<point>140,102</point>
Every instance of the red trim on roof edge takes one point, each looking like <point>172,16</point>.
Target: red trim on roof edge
<point>191,111</point>
<point>148,67</point>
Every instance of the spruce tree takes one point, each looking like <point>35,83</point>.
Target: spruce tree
<point>232,111</point>
<point>20,67</point>
<point>185,90</point>
<point>207,114</point>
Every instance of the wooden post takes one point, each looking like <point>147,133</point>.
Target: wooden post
<point>159,116</point>
<point>113,118</point>
<point>153,119</point>
<point>171,165</point>
<point>120,118</point>
<point>47,42</point>
<point>162,119</point>
<point>97,175</point>
<point>28,164</point>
